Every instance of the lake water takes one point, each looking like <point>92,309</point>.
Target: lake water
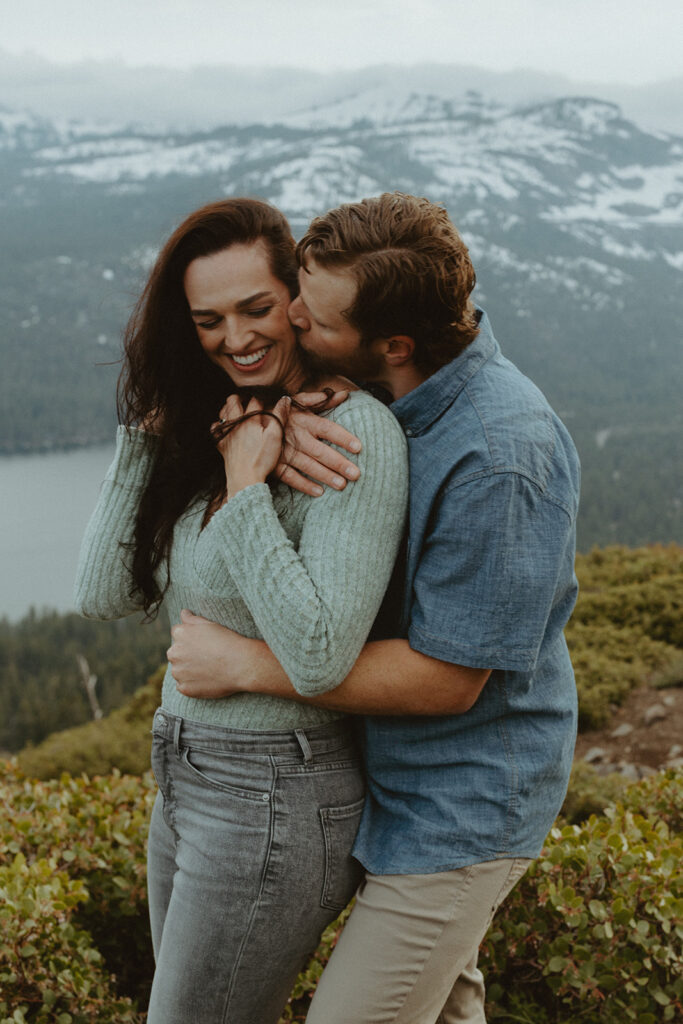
<point>45,502</point>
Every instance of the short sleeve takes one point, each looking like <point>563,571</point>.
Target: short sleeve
<point>492,567</point>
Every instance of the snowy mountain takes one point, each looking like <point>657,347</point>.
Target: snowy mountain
<point>574,216</point>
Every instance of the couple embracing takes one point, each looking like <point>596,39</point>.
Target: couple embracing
<point>299,763</point>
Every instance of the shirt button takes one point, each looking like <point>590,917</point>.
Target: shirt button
<point>409,432</point>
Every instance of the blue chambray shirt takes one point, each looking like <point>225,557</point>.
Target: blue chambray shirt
<point>490,583</point>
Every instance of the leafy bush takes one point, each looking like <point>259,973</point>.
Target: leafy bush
<point>88,837</point>
<point>590,793</point>
<point>627,627</point>
<point>617,565</point>
<point>594,931</point>
<point>49,970</point>
<point>609,661</point>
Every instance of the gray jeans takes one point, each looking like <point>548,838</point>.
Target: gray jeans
<point>249,859</point>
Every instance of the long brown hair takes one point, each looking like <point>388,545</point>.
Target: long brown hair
<point>168,379</point>
<point>412,269</point>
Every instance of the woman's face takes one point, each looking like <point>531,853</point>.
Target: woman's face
<point>240,312</point>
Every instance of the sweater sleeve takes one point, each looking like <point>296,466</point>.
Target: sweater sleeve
<point>315,606</point>
<point>103,583</point>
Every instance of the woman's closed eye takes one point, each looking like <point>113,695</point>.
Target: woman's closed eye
<point>261,311</point>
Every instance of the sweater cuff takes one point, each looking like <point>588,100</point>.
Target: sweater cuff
<point>236,518</point>
<point>135,450</point>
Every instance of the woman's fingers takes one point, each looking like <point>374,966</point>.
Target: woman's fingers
<point>281,409</point>
<point>231,409</point>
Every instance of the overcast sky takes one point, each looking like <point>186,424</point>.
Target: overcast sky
<point>627,41</point>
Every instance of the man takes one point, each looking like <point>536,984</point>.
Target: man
<point>471,713</point>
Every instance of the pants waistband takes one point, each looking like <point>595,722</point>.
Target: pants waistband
<point>309,740</point>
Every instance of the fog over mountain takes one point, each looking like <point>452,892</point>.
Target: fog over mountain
<point>208,96</point>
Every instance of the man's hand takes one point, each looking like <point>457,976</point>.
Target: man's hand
<point>389,678</point>
<point>306,452</point>
<point>201,653</point>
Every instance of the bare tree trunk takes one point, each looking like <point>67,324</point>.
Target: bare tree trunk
<point>89,684</point>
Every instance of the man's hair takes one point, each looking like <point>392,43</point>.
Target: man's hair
<point>412,269</point>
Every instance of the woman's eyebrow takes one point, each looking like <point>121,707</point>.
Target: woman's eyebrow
<point>242,304</point>
<point>202,312</point>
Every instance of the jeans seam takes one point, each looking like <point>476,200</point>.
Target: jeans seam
<point>257,901</point>
<point>168,794</point>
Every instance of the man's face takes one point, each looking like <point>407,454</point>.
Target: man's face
<point>324,332</point>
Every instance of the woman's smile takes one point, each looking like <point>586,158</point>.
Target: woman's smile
<point>250,361</point>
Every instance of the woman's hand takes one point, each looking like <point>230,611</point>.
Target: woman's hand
<point>252,449</point>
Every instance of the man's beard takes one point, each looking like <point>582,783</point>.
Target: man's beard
<point>362,364</point>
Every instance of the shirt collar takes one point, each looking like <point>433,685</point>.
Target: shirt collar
<point>417,410</point>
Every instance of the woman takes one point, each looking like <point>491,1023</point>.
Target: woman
<point>259,798</point>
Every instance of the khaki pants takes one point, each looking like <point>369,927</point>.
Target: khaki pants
<point>408,953</point>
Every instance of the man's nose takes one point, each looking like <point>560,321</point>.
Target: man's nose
<point>297,314</point>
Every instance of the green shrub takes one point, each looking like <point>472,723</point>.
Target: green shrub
<point>658,796</point>
<point>590,793</point>
<point>94,832</point>
<point>627,627</point>
<point>617,565</point>
<point>594,931</point>
<point>609,661</point>
<point>49,969</point>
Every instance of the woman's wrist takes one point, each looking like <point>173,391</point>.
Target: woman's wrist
<point>236,482</point>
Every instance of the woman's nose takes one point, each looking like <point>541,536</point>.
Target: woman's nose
<point>297,314</point>
<point>236,335</point>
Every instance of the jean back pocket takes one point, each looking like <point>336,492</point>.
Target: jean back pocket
<point>343,873</point>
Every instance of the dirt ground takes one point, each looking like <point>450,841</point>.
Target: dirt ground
<point>655,739</point>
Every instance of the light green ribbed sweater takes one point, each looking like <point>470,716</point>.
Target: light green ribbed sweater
<point>305,574</point>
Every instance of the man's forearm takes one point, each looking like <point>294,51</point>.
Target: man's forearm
<point>389,678</point>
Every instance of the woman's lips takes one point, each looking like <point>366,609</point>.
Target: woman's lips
<point>252,360</point>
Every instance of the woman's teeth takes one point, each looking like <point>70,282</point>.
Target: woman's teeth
<point>253,357</point>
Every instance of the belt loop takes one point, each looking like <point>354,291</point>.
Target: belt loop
<point>176,736</point>
<point>304,744</point>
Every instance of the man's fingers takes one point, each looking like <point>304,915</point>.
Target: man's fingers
<point>312,398</point>
<point>289,476</point>
<point>306,424</point>
<point>319,460</point>
<point>332,472</point>
<point>336,434</point>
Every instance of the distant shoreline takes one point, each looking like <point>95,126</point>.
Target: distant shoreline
<point>54,448</point>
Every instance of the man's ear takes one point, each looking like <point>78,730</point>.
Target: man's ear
<point>399,350</point>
